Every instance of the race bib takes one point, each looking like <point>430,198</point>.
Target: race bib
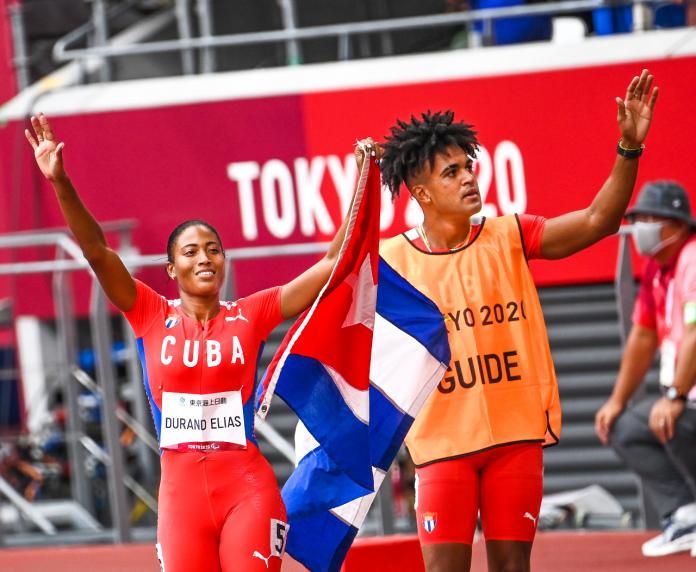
<point>195,418</point>
<point>668,362</point>
<point>279,536</point>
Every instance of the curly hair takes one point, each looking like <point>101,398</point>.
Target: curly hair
<point>413,143</point>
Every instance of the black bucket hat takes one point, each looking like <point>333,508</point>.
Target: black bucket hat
<point>663,198</point>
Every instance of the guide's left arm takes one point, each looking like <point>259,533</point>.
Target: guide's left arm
<point>574,231</point>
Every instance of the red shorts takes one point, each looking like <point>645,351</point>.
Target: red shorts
<point>219,512</point>
<point>504,484</point>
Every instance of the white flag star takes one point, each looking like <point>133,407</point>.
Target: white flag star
<point>362,310</point>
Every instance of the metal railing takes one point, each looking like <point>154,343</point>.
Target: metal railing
<point>624,282</point>
<point>19,45</point>
<point>292,34</point>
<point>67,342</point>
<point>94,31</point>
<point>142,260</point>
<point>625,289</point>
<point>26,508</point>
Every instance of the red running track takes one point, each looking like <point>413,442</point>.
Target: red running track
<point>553,552</point>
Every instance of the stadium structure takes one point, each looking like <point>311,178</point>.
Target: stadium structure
<point>245,114</point>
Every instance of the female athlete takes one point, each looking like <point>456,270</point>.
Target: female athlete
<point>219,504</point>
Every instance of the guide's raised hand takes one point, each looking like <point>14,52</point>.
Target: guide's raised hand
<point>636,110</point>
<point>48,153</point>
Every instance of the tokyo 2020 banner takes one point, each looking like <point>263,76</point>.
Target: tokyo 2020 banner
<point>279,170</point>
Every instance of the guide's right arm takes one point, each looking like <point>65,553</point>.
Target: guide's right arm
<point>112,274</point>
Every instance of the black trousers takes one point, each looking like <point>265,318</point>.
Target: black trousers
<point>668,471</point>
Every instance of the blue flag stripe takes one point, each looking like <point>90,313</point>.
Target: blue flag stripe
<point>309,390</point>
<point>411,311</point>
<point>317,484</point>
<point>388,428</point>
<point>328,546</point>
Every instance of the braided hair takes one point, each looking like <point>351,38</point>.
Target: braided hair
<point>413,143</point>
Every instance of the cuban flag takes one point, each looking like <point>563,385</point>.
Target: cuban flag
<point>429,521</point>
<point>356,368</point>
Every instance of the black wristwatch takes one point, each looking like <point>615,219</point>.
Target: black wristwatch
<point>627,152</point>
<point>673,394</point>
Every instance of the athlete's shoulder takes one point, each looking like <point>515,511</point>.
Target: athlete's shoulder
<point>505,224</point>
<point>147,308</point>
<point>499,221</point>
<point>262,308</point>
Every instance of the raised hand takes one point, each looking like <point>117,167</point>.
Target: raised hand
<point>370,145</point>
<point>48,153</point>
<point>635,112</point>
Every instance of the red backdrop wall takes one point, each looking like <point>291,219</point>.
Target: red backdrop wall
<point>163,165</point>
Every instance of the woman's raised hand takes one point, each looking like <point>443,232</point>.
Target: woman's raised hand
<point>112,274</point>
<point>368,145</point>
<point>48,153</point>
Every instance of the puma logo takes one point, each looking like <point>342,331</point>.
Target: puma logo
<point>257,554</point>
<point>237,317</point>
<point>530,517</point>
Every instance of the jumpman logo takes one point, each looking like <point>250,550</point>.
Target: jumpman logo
<point>257,554</point>
<point>237,317</point>
<point>530,517</point>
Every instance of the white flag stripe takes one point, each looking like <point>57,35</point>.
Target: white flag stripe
<point>426,389</point>
<point>304,442</point>
<point>395,353</point>
<point>355,511</point>
<point>356,399</point>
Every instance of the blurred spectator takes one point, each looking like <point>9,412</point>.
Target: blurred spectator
<point>503,30</point>
<point>619,19</point>
<point>680,13</point>
<point>690,11</point>
<point>613,20</point>
<point>656,437</point>
<point>460,39</point>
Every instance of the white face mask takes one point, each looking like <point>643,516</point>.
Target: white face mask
<point>647,237</point>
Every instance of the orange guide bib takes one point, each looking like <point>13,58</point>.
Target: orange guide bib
<point>500,387</point>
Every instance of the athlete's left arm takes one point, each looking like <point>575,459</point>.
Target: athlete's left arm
<point>298,294</point>
<point>571,232</point>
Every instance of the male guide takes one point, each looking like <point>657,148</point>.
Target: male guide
<point>501,378</point>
